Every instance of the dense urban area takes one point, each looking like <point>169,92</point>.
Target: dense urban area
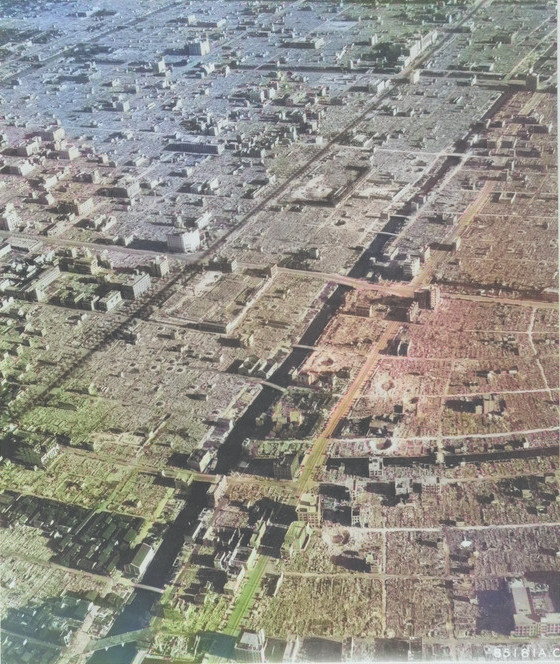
<point>279,331</point>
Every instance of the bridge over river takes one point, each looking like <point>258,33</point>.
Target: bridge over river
<point>137,635</point>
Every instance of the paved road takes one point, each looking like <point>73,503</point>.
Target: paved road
<point>502,434</point>
<point>246,595</point>
<point>463,223</point>
<point>454,395</point>
<point>407,289</point>
<point>499,299</point>
<point>315,458</point>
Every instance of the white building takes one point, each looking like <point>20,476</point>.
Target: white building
<point>9,219</point>
<point>183,242</point>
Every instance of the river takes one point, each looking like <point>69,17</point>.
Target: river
<point>136,615</point>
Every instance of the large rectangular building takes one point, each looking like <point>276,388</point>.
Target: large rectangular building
<point>198,47</point>
<point>141,560</point>
<point>534,611</point>
<point>308,509</point>
<point>184,241</point>
<point>136,286</point>
<point>286,466</point>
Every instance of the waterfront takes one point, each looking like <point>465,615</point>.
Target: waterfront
<point>136,615</point>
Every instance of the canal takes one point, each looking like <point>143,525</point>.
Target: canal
<point>230,452</point>
<point>136,615</point>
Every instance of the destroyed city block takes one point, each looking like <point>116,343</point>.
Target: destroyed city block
<point>279,337</point>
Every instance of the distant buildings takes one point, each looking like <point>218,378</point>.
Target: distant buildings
<point>200,221</point>
<point>70,153</point>
<point>196,147</point>
<point>312,43</point>
<point>196,165</point>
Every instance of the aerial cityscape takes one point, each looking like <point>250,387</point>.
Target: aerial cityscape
<point>279,370</point>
